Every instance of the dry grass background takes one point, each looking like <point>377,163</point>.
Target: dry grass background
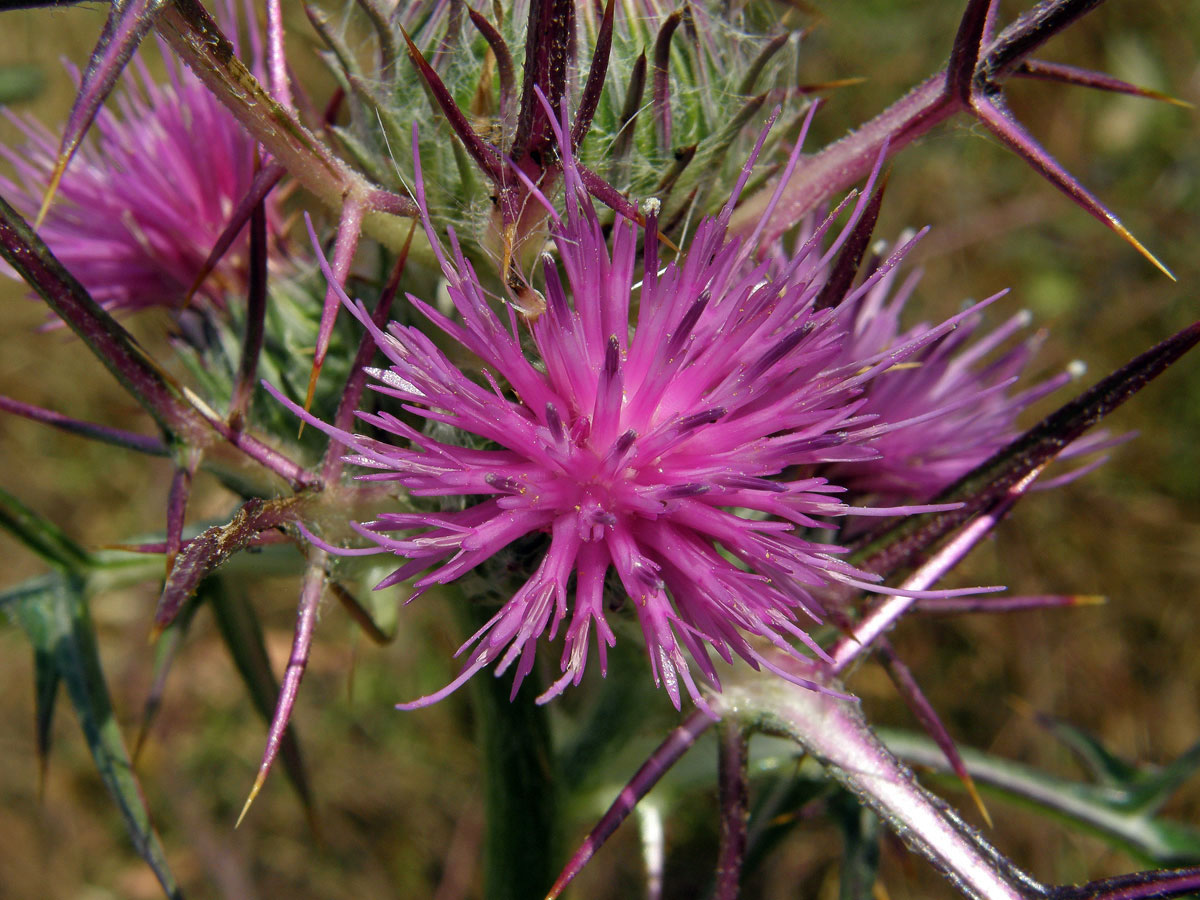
<point>398,801</point>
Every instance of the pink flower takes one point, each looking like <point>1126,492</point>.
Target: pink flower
<point>675,451</point>
<point>147,195</point>
<point>947,408</point>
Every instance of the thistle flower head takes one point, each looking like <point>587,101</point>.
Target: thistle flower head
<point>664,427</point>
<point>948,407</point>
<point>147,196</point>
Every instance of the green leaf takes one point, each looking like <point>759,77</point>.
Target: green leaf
<point>41,535</point>
<point>1114,814</point>
<point>56,621</point>
<point>45,691</point>
<point>861,833</point>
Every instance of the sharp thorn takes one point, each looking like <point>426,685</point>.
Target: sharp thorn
<point>259,781</point>
<point>60,168</point>
<point>1137,245</point>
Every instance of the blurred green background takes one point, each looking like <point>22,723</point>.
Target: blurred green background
<point>397,793</point>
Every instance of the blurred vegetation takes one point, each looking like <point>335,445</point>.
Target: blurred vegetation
<point>397,794</point>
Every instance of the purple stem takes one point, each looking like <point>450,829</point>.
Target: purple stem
<point>198,41</point>
<point>1139,885</point>
<point>264,181</point>
<point>834,731</point>
<point>107,339</point>
<point>142,443</point>
<point>734,799</point>
<point>297,477</point>
<point>970,83</point>
<point>256,312</point>
<point>664,756</point>
<point>887,612</point>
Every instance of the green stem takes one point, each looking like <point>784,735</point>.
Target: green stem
<point>519,783</point>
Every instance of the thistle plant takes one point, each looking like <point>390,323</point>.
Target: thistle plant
<point>560,318</point>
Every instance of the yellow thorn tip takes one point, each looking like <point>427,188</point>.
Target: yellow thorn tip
<point>969,784</point>
<point>258,783</point>
<point>1140,248</point>
<point>312,390</point>
<point>60,168</point>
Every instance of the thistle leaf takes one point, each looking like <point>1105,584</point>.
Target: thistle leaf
<point>56,621</point>
<point>42,536</point>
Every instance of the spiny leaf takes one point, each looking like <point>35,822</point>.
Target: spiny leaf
<point>861,833</point>
<point>1098,809</point>
<point>128,22</point>
<point>56,622</point>
<point>45,690</point>
<point>1097,760</point>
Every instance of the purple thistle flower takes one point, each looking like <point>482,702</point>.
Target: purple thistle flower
<point>148,195</point>
<point>676,451</point>
<point>948,407</point>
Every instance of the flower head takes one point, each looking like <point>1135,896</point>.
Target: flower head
<point>147,196</point>
<point>664,427</point>
<point>947,408</point>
